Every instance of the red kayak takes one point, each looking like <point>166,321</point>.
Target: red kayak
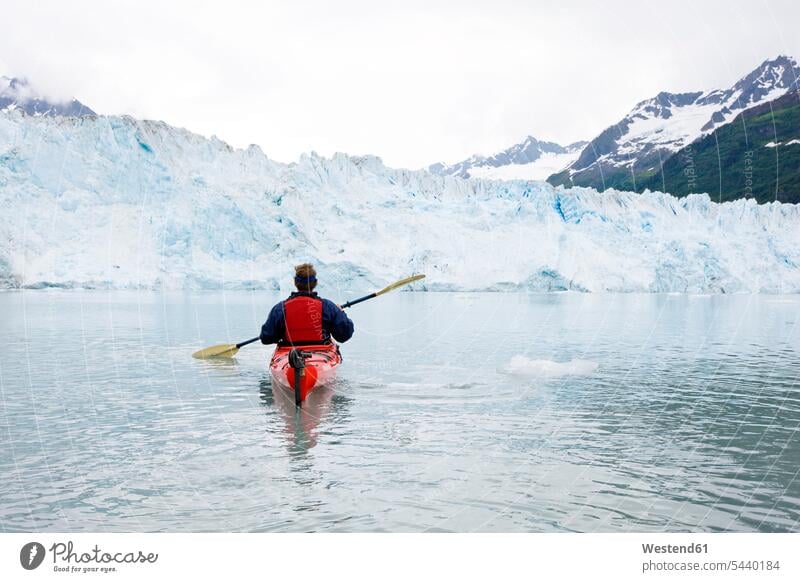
<point>321,363</point>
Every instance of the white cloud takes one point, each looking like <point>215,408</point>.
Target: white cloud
<point>413,82</point>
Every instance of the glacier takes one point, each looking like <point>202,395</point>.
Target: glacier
<point>121,203</point>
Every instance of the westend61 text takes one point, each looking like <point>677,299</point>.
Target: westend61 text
<point>673,549</point>
<point>66,554</point>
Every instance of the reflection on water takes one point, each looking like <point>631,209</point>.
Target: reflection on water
<point>302,424</point>
<point>452,412</point>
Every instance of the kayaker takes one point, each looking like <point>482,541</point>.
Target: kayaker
<point>304,318</point>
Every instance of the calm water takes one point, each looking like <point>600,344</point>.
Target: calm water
<point>683,415</point>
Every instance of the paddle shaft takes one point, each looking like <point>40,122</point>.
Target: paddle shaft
<point>255,339</point>
<point>350,303</point>
<point>359,300</point>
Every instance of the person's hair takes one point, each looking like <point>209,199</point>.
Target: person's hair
<point>305,277</point>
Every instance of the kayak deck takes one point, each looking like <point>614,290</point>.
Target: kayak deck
<point>321,365</point>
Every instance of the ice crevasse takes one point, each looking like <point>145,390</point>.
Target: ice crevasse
<point>116,202</point>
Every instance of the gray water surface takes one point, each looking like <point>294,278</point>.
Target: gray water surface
<point>451,413</point>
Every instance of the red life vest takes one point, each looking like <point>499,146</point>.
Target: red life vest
<point>303,320</point>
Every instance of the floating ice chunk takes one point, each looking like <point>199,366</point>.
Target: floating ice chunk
<point>522,366</point>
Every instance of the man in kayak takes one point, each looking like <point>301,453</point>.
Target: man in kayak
<point>305,318</point>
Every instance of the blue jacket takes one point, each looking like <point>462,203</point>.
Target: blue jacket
<point>334,323</point>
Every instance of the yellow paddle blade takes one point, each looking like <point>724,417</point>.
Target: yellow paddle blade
<point>400,283</point>
<point>218,351</point>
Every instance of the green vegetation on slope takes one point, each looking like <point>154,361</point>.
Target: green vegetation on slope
<point>731,162</point>
<point>735,162</point>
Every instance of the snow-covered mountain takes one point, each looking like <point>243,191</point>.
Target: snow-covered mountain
<point>18,94</point>
<point>530,159</point>
<point>634,149</point>
<point>117,202</point>
<point>739,159</point>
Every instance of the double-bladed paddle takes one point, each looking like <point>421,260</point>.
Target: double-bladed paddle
<point>229,350</point>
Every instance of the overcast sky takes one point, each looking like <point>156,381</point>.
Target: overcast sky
<point>412,82</point>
